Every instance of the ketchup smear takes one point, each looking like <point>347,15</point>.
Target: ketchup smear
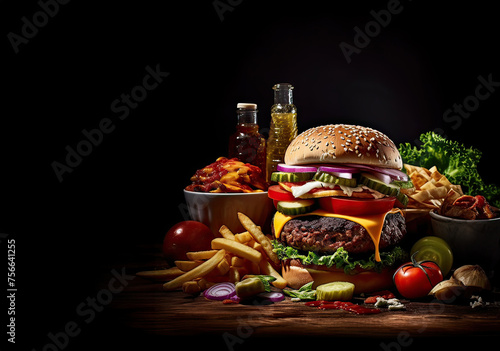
<point>341,305</point>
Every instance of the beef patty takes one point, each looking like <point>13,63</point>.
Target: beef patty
<point>325,234</point>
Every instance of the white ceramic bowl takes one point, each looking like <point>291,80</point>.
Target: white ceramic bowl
<point>216,209</point>
<point>472,241</point>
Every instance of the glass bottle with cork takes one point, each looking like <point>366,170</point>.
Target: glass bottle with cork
<point>247,144</point>
<point>283,127</point>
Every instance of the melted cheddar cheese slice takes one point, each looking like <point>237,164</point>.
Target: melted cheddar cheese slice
<point>372,223</point>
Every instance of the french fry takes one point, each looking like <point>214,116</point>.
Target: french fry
<point>191,287</point>
<point>161,275</point>
<point>237,261</point>
<point>201,255</point>
<point>223,267</point>
<point>187,265</point>
<point>255,268</point>
<point>259,237</point>
<point>237,248</point>
<point>205,284</point>
<point>267,269</point>
<point>200,271</point>
<point>226,233</point>
<point>243,237</point>
<point>257,246</point>
<point>236,273</point>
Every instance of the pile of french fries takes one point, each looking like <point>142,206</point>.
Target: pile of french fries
<point>431,187</point>
<point>232,257</point>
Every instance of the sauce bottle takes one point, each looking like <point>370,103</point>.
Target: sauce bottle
<point>283,127</point>
<point>247,144</point>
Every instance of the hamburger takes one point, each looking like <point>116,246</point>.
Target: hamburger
<point>338,197</point>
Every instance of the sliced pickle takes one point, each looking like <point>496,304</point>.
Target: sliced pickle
<point>293,208</point>
<point>402,184</point>
<point>376,184</point>
<point>330,178</point>
<point>290,177</point>
<point>342,291</point>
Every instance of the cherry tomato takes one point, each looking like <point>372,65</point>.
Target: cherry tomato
<point>353,207</point>
<point>185,237</point>
<point>415,279</point>
<point>433,248</point>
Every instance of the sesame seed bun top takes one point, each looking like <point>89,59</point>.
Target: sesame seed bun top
<point>343,143</point>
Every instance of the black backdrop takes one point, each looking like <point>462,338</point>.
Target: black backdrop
<point>63,75</point>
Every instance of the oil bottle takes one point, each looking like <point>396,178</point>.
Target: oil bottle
<point>247,144</point>
<point>283,127</point>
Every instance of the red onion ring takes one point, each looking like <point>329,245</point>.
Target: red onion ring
<point>382,177</point>
<point>393,173</point>
<point>342,172</point>
<point>339,169</point>
<point>296,169</point>
<point>220,291</point>
<point>272,296</point>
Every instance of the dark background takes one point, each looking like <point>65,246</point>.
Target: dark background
<point>128,190</point>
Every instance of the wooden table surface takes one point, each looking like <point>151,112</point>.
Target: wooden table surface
<point>142,306</point>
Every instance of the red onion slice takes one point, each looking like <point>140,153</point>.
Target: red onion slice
<point>272,296</point>
<point>338,173</point>
<point>296,169</point>
<point>339,169</point>
<point>220,291</point>
<point>383,177</point>
<point>393,173</point>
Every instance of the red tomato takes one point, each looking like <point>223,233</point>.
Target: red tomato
<point>353,207</point>
<point>415,279</point>
<point>276,193</point>
<point>185,237</point>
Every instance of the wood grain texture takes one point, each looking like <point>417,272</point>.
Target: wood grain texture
<point>143,306</point>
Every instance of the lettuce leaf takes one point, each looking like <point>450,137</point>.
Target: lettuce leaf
<point>458,163</point>
<point>340,259</point>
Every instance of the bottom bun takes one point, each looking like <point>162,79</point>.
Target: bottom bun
<point>364,281</point>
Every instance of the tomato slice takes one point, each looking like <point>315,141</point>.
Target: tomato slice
<point>433,248</point>
<point>353,207</point>
<point>276,193</point>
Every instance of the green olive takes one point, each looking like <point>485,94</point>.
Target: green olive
<point>249,287</point>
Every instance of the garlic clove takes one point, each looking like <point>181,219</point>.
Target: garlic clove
<point>472,276</point>
<point>448,290</point>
